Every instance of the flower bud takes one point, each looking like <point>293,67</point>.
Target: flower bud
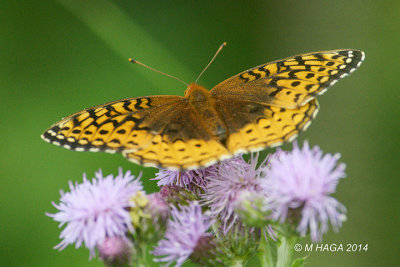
<point>115,251</point>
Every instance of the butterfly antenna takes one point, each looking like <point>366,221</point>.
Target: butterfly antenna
<point>153,69</point>
<point>211,61</point>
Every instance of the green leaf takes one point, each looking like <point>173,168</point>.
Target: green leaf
<point>298,262</point>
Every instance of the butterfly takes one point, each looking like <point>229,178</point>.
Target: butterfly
<point>259,108</point>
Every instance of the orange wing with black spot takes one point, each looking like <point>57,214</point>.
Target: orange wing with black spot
<point>187,141</point>
<point>113,127</point>
<point>254,126</point>
<point>270,104</point>
<point>290,82</point>
<point>156,131</point>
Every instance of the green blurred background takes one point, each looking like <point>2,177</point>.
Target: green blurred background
<point>58,57</point>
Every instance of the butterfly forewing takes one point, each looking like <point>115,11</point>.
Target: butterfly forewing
<point>160,131</point>
<point>290,82</point>
<point>115,126</point>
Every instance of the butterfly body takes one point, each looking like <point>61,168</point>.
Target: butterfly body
<point>258,108</point>
<point>203,105</point>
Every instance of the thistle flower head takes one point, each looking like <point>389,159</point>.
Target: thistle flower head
<point>185,230</point>
<point>94,210</point>
<point>300,183</point>
<point>191,179</point>
<point>227,185</point>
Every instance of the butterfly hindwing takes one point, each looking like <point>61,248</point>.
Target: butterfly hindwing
<point>255,126</point>
<point>187,141</point>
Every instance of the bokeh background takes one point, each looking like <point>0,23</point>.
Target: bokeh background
<point>58,57</point>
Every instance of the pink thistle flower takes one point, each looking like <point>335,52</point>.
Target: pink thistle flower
<point>300,182</point>
<point>95,210</point>
<point>187,179</point>
<point>229,185</point>
<point>185,231</point>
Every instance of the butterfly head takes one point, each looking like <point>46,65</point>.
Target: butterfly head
<point>195,92</point>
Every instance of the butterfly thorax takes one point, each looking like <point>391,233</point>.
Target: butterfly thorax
<point>203,104</point>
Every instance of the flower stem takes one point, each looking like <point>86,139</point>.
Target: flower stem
<point>277,253</point>
<point>285,251</point>
<point>237,263</point>
<point>140,258</point>
<point>267,253</point>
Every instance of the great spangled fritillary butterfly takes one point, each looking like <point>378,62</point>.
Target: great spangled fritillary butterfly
<point>259,108</point>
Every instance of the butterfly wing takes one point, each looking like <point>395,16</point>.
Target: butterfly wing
<point>270,104</point>
<point>113,127</point>
<point>290,82</point>
<point>157,131</point>
<point>185,142</point>
<point>253,126</point>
